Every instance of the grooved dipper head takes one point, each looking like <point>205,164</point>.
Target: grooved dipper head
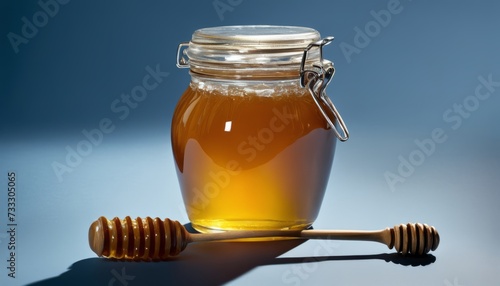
<point>137,239</point>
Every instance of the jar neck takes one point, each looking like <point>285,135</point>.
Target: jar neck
<point>244,86</point>
<point>246,72</point>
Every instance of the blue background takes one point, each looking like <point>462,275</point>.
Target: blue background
<point>399,86</point>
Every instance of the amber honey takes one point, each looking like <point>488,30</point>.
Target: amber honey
<point>251,156</point>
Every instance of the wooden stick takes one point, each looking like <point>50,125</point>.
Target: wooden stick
<point>156,239</point>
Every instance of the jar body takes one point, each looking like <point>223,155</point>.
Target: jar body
<point>251,154</point>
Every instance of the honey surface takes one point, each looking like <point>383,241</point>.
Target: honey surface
<point>251,160</point>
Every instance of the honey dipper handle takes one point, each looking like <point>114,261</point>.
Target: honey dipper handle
<point>381,236</point>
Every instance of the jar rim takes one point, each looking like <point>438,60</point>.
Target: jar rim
<point>260,36</point>
<point>256,51</point>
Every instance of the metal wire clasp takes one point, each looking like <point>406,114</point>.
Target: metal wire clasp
<point>182,62</point>
<point>316,80</point>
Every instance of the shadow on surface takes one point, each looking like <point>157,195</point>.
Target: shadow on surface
<point>213,264</point>
<point>204,264</point>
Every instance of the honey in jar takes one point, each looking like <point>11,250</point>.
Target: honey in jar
<point>251,147</point>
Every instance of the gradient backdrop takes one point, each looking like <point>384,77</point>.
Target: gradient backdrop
<point>418,83</point>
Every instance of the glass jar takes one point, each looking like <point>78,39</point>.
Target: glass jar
<point>252,135</point>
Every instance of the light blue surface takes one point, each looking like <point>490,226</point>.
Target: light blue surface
<point>396,89</point>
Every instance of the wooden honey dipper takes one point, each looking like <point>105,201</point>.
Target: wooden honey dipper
<point>156,239</point>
